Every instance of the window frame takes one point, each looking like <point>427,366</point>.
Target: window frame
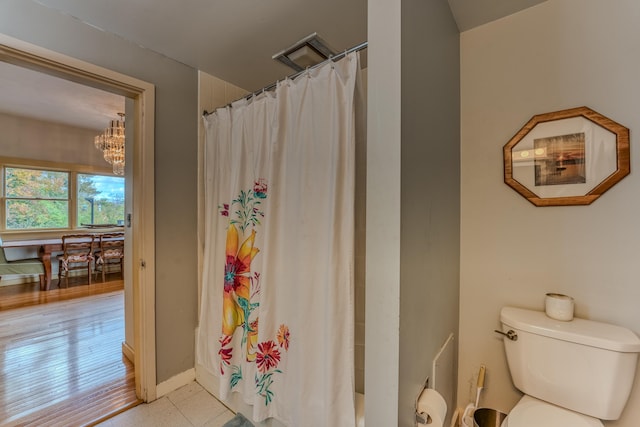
<point>79,201</point>
<point>72,169</point>
<point>7,198</point>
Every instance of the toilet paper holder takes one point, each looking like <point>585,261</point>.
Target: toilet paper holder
<point>423,418</point>
<point>431,408</point>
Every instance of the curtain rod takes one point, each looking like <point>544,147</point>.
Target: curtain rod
<point>334,58</point>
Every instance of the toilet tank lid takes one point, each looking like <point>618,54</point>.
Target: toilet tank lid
<point>580,331</point>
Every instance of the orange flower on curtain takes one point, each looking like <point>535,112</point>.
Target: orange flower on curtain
<point>241,288</point>
<point>236,305</point>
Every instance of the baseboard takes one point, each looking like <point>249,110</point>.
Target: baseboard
<point>175,382</point>
<point>128,352</point>
<point>13,279</point>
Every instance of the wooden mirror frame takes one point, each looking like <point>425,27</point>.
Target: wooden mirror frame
<point>622,160</point>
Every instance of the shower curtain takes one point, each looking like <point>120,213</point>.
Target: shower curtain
<point>276,318</point>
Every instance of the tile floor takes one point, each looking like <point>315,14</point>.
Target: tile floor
<point>189,406</point>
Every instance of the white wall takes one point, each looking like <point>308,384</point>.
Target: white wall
<point>559,54</point>
<point>39,140</point>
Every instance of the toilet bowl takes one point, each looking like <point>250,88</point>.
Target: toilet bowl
<point>532,412</point>
<point>572,373</point>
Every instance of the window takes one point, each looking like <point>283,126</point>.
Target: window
<point>39,198</point>
<point>100,200</point>
<point>36,199</point>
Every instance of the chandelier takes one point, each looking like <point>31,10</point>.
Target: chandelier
<point>111,143</point>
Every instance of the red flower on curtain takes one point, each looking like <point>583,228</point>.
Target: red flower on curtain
<point>267,357</point>
<point>260,188</point>
<point>225,353</point>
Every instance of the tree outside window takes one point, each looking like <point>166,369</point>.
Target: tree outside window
<point>100,200</point>
<point>36,199</point>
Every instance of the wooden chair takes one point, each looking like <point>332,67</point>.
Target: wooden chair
<point>23,267</point>
<point>77,255</point>
<point>111,253</point>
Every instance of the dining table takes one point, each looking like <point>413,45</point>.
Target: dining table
<point>45,247</point>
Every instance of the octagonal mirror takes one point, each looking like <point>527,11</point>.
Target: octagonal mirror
<point>567,157</point>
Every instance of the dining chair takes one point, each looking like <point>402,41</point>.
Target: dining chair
<point>109,254</point>
<point>23,267</point>
<point>77,254</point>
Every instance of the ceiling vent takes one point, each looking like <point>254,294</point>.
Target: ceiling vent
<point>308,52</point>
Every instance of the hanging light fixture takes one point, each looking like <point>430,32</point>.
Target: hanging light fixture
<point>111,143</point>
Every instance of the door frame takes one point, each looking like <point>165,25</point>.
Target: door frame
<point>30,56</point>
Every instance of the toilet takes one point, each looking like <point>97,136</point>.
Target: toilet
<point>573,373</point>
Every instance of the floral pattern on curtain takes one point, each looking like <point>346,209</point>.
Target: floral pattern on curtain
<point>241,292</point>
<point>276,318</point>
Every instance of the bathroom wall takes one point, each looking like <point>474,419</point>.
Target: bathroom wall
<point>360,248</point>
<point>556,55</point>
<point>430,197</point>
<point>412,201</point>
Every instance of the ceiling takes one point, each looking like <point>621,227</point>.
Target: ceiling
<point>28,93</point>
<point>232,40</point>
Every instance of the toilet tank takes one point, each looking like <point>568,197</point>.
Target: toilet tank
<point>582,365</point>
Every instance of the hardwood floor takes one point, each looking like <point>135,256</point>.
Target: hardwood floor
<point>24,295</point>
<point>61,363</point>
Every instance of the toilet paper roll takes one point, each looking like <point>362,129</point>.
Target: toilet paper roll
<point>559,306</point>
<point>432,406</point>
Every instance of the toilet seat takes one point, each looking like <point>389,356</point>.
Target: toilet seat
<point>531,412</point>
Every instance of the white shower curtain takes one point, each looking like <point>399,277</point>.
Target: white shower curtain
<point>276,318</point>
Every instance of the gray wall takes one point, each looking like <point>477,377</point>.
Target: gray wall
<point>430,194</point>
<point>412,201</point>
<point>175,161</point>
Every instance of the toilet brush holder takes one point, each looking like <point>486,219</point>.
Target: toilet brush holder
<point>467,416</point>
<point>487,417</point>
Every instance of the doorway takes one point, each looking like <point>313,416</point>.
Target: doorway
<point>141,296</point>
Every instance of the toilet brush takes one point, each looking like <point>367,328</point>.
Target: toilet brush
<point>467,416</point>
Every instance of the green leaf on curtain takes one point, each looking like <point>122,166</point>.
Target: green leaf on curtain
<point>236,375</point>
